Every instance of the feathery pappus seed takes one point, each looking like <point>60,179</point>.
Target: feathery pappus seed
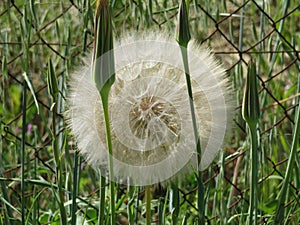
<point>151,124</point>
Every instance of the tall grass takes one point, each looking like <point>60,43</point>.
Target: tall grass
<point>45,181</point>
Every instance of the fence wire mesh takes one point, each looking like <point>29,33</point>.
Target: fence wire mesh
<point>32,32</point>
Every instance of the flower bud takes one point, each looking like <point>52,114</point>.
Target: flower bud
<point>103,73</point>
<point>250,107</point>
<point>52,81</point>
<point>183,35</point>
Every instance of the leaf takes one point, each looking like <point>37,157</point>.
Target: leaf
<point>29,84</point>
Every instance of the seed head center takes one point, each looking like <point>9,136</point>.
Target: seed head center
<point>147,108</point>
<point>152,115</point>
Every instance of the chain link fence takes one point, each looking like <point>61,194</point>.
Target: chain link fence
<point>32,32</point>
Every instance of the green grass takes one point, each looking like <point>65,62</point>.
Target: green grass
<point>45,181</point>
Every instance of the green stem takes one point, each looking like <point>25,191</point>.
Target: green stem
<point>75,188</point>
<point>200,200</point>
<point>136,208</point>
<point>174,203</point>
<point>59,169</point>
<point>23,153</point>
<point>254,176</point>
<point>148,205</point>
<point>104,97</point>
<point>130,205</point>
<point>102,199</point>
<point>35,190</point>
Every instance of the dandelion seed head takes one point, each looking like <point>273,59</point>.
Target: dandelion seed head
<point>151,125</point>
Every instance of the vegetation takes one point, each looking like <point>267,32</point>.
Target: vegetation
<point>44,180</point>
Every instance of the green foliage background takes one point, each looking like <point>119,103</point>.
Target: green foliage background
<point>34,32</point>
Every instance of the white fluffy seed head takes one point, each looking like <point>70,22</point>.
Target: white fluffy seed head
<point>151,124</point>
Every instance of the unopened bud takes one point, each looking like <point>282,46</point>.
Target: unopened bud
<point>104,75</point>
<point>250,107</point>
<point>183,35</point>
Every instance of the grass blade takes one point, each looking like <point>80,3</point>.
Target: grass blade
<point>75,188</point>
<point>29,84</point>
<point>279,215</point>
<point>54,91</point>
